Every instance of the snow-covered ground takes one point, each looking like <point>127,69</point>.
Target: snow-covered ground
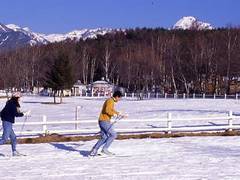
<point>143,159</point>
<point>145,109</point>
<point>170,158</point>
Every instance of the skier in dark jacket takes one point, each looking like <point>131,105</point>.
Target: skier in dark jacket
<point>8,114</point>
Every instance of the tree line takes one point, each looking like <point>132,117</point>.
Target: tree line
<point>140,60</point>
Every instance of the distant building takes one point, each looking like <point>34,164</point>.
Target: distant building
<point>79,89</point>
<point>234,86</point>
<point>38,90</point>
<point>45,92</point>
<point>102,87</point>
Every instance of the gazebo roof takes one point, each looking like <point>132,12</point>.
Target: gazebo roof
<point>101,82</point>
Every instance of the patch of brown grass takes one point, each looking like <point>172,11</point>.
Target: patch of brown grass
<point>62,138</point>
<point>51,103</point>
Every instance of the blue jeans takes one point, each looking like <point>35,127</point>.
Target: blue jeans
<point>107,135</point>
<point>8,133</point>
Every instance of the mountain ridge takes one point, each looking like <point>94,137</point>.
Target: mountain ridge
<point>13,36</point>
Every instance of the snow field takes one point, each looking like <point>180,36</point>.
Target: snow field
<point>144,159</point>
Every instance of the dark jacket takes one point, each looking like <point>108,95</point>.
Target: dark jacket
<point>10,111</point>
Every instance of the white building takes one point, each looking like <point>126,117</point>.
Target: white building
<point>102,87</point>
<point>79,89</point>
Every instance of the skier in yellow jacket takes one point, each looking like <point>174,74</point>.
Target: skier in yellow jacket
<point>107,131</point>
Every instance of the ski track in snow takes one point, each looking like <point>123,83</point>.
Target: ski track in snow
<point>172,158</point>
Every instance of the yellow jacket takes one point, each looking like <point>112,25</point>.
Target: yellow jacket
<point>108,110</point>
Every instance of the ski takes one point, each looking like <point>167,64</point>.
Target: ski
<point>4,157</point>
<point>20,155</point>
<point>11,156</point>
<point>107,156</point>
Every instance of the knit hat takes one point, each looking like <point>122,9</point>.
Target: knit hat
<point>16,94</point>
<point>117,94</point>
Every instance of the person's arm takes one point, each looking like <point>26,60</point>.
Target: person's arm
<point>15,111</point>
<point>18,113</point>
<point>110,108</point>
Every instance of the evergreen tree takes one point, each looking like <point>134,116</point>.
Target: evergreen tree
<point>60,76</point>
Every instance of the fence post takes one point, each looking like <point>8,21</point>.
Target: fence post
<point>169,123</point>
<point>230,121</point>
<point>214,96</point>
<point>149,95</point>
<point>44,125</point>
<point>75,92</point>
<point>92,93</point>
<point>174,96</point>
<point>125,95</point>
<point>194,95</point>
<point>77,116</point>
<point>184,95</point>
<point>165,96</point>
<point>157,95</point>
<point>236,96</point>
<point>204,95</point>
<point>132,95</point>
<point>225,96</point>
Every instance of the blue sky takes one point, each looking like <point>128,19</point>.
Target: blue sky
<point>61,16</point>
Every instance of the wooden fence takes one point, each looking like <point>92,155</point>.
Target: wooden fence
<point>169,127</point>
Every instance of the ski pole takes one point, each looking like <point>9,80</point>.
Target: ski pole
<point>118,118</point>
<point>23,125</point>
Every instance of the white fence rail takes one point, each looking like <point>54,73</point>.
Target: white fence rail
<point>226,125</point>
<point>166,96</point>
<point>152,95</point>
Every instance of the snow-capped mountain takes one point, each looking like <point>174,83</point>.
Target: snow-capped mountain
<point>78,34</point>
<point>35,37</point>
<point>3,28</point>
<point>12,36</point>
<point>73,35</point>
<point>190,22</point>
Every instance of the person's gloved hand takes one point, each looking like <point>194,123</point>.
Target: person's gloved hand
<point>125,116</point>
<point>27,113</point>
<point>121,115</point>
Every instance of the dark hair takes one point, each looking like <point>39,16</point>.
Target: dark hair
<point>15,100</point>
<point>117,94</point>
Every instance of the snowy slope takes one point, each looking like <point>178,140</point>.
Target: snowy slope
<point>73,35</point>
<point>35,37</point>
<point>78,34</point>
<point>3,28</point>
<point>190,22</point>
<point>12,36</point>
